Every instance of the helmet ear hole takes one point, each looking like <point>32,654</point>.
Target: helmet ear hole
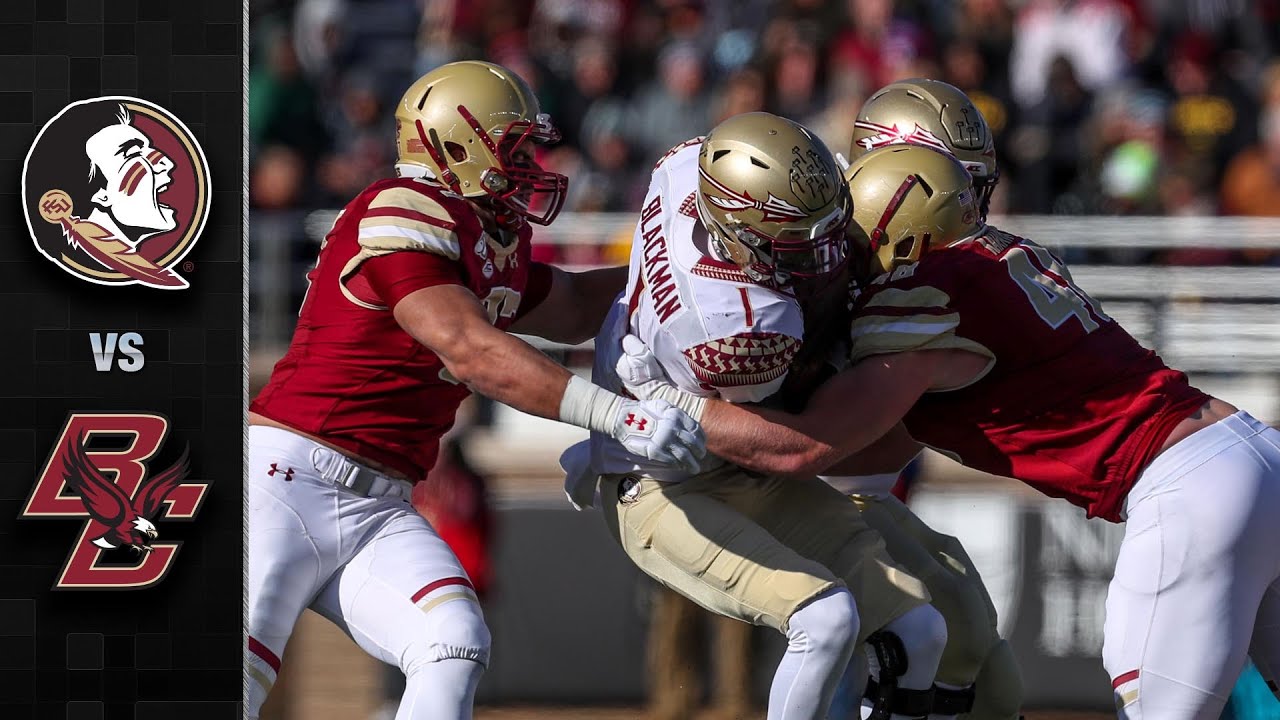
<point>904,247</point>
<point>456,152</point>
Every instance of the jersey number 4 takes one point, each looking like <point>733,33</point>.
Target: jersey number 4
<point>1048,286</point>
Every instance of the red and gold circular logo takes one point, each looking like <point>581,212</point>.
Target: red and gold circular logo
<point>116,191</point>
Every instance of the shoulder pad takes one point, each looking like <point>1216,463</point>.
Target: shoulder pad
<point>668,155</point>
<point>407,218</point>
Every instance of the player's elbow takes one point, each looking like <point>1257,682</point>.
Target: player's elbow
<point>461,352</point>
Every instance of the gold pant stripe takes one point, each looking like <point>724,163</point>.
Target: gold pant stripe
<point>259,677</point>
<point>438,600</point>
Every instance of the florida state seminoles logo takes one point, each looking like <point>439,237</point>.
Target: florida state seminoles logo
<point>116,191</point>
<point>118,500</point>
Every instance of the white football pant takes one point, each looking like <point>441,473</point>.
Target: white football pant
<point>368,562</point>
<point>1197,581</point>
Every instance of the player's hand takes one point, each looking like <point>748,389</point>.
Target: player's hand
<point>641,374</point>
<point>656,430</point>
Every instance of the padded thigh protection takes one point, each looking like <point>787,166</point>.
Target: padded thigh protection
<point>998,690</point>
<point>955,586</point>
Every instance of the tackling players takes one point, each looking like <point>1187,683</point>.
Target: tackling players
<point>405,316</point>
<point>739,231</point>
<point>980,343</point>
<point>978,674</point>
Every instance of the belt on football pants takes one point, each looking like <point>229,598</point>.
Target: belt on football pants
<point>342,470</point>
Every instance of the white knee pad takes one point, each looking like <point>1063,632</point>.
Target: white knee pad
<point>904,657</point>
<point>452,630</point>
<point>923,633</point>
<point>828,623</point>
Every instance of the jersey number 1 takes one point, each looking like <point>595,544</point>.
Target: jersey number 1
<point>1048,286</point>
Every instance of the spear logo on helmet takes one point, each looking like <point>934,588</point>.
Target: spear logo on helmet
<point>773,208</point>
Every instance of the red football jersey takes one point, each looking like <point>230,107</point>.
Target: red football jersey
<point>352,377</point>
<point>1070,403</point>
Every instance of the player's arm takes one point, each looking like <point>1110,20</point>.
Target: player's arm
<point>574,304</point>
<point>450,321</point>
<point>411,270</point>
<point>904,344</point>
<point>892,452</point>
<point>848,413</point>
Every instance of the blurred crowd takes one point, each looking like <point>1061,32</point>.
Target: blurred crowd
<point>1097,106</point>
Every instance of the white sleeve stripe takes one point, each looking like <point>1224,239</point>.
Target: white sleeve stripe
<point>909,328</point>
<point>445,245</point>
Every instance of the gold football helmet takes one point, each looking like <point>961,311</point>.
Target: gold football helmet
<point>772,199</point>
<point>908,200</point>
<point>470,124</point>
<point>933,114</point>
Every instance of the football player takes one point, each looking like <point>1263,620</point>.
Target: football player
<point>406,315</point>
<point>739,230</point>
<point>983,346</point>
<point>979,674</point>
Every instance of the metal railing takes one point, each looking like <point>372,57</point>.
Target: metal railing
<point>1205,318</point>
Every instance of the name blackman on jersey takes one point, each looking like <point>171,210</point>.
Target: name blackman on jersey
<point>103,459</point>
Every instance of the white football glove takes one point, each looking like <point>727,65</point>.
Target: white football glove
<point>652,429</point>
<point>642,376</point>
<point>661,432</point>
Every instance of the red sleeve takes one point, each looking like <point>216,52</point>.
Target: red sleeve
<point>536,288</point>
<point>389,278</point>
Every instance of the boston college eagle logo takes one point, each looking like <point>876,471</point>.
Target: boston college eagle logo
<point>102,459</point>
<point>116,191</point>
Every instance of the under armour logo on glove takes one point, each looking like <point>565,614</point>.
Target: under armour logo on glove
<point>656,430</point>
<point>288,474</point>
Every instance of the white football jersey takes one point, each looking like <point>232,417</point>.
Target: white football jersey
<point>715,332</point>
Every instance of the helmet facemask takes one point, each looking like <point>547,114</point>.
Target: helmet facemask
<point>803,259</point>
<point>513,180</point>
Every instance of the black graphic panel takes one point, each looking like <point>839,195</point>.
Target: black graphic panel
<point>122,330</point>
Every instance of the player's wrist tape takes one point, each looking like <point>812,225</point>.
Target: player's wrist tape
<point>691,404</point>
<point>589,406</point>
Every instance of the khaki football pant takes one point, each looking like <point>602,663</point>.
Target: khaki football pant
<point>755,548</point>
<point>974,649</point>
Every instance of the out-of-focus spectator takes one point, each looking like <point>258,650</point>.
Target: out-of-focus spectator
<point>316,34</point>
<point>834,125</point>
<point>364,130</point>
<point>796,91</point>
<point>1091,34</point>
<point>673,108</point>
<point>593,79</point>
<point>1252,182</point>
<point>283,107</point>
<point>1070,88</point>
<point>276,180</point>
<point>1048,145</point>
<point>743,92</point>
<point>877,45</point>
<point>1211,117</point>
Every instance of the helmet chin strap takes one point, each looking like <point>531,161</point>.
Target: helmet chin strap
<point>495,215</point>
